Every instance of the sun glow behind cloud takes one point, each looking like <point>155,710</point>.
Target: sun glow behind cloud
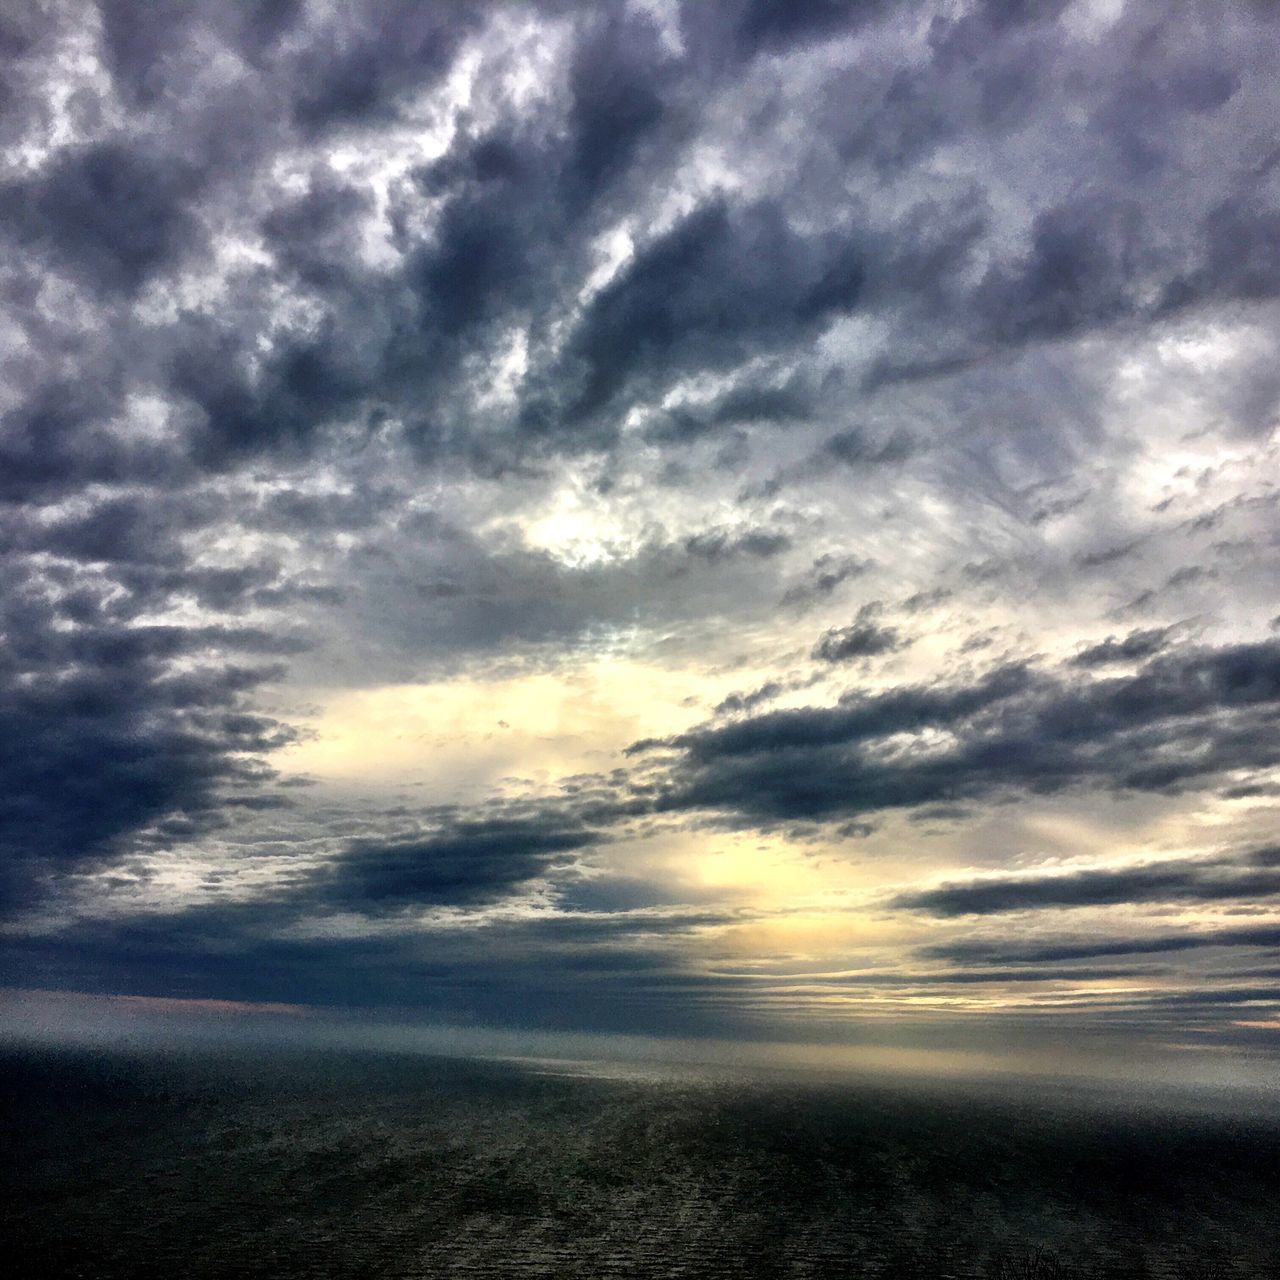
<point>539,728</point>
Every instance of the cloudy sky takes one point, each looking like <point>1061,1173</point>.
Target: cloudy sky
<point>752,519</point>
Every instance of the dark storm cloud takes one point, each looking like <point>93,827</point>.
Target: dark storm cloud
<point>770,22</point>
<point>855,448</point>
<point>311,233</point>
<point>620,85</point>
<point>604,971</point>
<point>103,738</point>
<point>736,702</point>
<point>470,862</point>
<point>1187,881</point>
<point>1079,271</point>
<point>60,438</point>
<point>863,639</point>
<point>119,210</point>
<point>1181,720</point>
<point>120,730</point>
<point>304,386</point>
<point>719,284</point>
<point>364,65</point>
<point>748,402</point>
<point>1019,951</point>
<point>1121,249</point>
<point>522,199</point>
<point>518,208</point>
<point>726,35</point>
<point>143,45</point>
<point>1135,646</point>
<point>358,63</point>
<point>970,977</point>
<point>108,213</point>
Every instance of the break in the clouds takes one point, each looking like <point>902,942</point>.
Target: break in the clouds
<point>748,518</point>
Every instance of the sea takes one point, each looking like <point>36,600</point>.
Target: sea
<point>293,1163</point>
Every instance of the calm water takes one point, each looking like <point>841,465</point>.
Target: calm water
<point>333,1165</point>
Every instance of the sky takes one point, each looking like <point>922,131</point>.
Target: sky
<point>751,521</point>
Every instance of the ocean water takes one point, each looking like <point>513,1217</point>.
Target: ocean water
<point>327,1164</point>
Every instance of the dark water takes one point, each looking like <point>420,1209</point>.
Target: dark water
<point>328,1165</point>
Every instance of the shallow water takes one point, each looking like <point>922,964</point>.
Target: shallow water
<point>293,1165</point>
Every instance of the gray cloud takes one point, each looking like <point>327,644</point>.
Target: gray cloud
<point>705,294</point>
<point>1017,951</point>
<point>1153,882</point>
<point>108,213</point>
<point>472,861</point>
<point>827,573</point>
<point>1180,721</point>
<point>1135,646</point>
<point>860,640</point>
<point>114,724</point>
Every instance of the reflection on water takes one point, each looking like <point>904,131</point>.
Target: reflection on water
<point>327,1164</point>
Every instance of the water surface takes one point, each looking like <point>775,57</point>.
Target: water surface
<point>293,1165</point>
